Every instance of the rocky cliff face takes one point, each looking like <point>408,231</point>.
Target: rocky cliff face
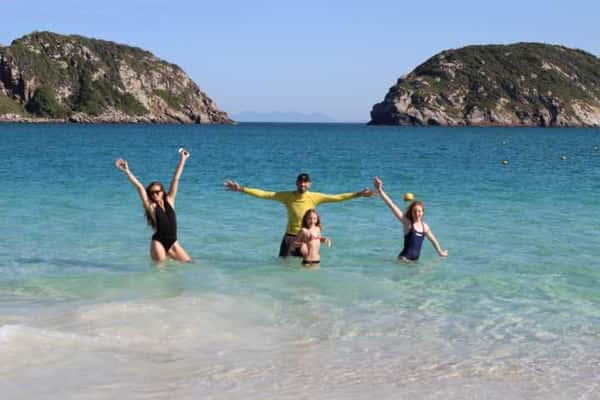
<point>46,77</point>
<point>524,84</point>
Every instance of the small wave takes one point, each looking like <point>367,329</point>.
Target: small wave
<point>8,332</point>
<point>66,262</point>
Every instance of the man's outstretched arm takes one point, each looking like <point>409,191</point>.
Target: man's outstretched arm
<point>261,194</point>
<point>332,198</point>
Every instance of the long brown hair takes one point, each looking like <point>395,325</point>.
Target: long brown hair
<point>149,218</point>
<point>409,210</point>
<point>307,214</point>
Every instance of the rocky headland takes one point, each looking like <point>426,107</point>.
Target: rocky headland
<point>522,84</point>
<point>47,77</point>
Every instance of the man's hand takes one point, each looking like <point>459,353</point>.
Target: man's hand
<point>233,186</point>
<point>366,192</point>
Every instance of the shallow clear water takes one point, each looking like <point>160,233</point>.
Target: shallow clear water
<point>513,312</point>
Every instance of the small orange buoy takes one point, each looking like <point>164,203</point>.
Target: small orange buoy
<point>408,196</point>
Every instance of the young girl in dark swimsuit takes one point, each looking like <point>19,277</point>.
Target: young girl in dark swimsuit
<point>309,239</point>
<point>415,229</point>
<point>160,213</point>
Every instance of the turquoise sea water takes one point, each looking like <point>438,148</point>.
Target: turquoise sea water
<point>513,312</point>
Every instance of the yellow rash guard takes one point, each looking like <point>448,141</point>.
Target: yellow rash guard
<point>298,203</point>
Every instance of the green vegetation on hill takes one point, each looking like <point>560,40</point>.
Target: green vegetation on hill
<point>39,55</point>
<point>172,100</point>
<point>44,104</point>
<point>527,80</point>
<point>515,72</point>
<point>54,76</point>
<point>10,106</point>
<point>92,97</point>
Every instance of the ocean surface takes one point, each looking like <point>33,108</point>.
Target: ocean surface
<point>512,313</point>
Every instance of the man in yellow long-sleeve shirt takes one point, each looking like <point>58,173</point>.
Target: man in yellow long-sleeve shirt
<point>297,203</point>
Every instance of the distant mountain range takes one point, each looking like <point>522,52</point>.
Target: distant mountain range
<point>280,116</point>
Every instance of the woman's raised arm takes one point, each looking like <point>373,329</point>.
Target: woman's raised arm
<point>184,155</point>
<point>123,166</point>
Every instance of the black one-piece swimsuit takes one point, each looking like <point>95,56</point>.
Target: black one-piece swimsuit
<point>166,226</point>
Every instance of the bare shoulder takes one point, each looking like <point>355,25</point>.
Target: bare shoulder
<point>426,228</point>
<point>170,200</point>
<point>150,207</point>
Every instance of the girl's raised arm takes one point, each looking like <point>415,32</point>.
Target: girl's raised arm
<point>386,199</point>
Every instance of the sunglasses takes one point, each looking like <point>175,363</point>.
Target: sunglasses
<point>153,192</point>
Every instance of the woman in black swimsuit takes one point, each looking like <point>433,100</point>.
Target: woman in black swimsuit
<point>159,209</point>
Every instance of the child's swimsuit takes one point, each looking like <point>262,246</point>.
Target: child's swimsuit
<point>311,262</point>
<point>413,241</point>
<point>313,237</point>
<point>166,226</point>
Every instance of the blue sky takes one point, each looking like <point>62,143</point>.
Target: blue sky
<point>332,57</point>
